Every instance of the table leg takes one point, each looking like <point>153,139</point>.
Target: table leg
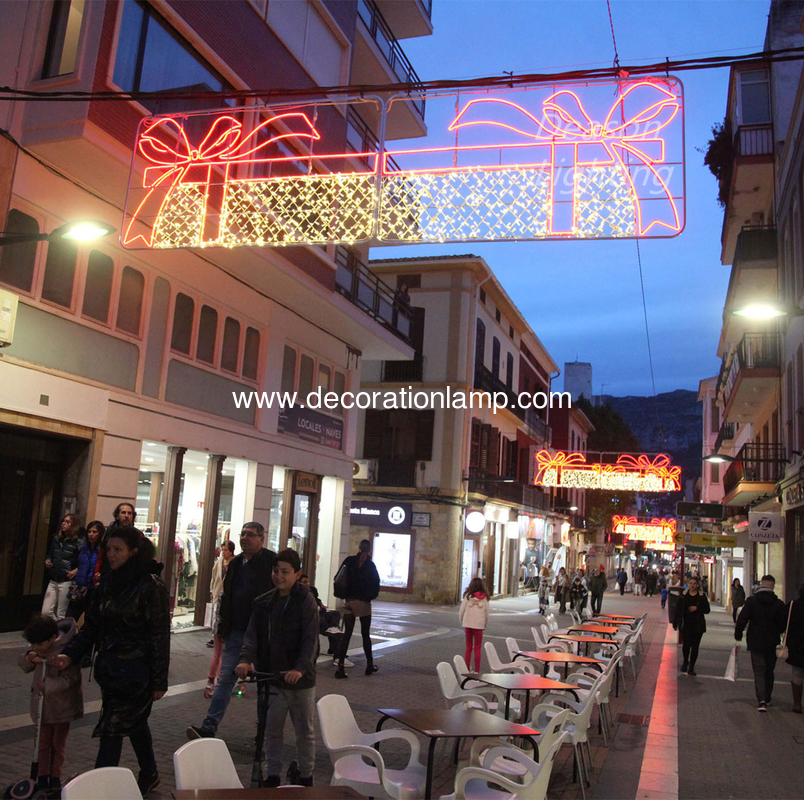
<point>527,705</point>
<point>379,727</point>
<point>428,786</point>
<point>507,703</point>
<point>544,671</point>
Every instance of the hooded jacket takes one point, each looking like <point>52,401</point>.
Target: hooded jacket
<point>64,700</point>
<point>282,635</point>
<point>87,559</point>
<point>766,616</point>
<point>474,611</point>
<point>63,554</point>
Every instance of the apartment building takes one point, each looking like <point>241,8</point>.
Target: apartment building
<point>458,481</point>
<point>121,380</point>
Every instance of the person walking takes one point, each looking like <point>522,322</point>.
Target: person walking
<point>652,582</point>
<point>561,590</point>
<point>363,586</point>
<point>622,579</point>
<point>128,624</point>
<point>578,594</point>
<point>474,616</point>
<point>662,584</point>
<point>82,590</point>
<point>765,615</point>
<point>795,647</point>
<point>737,598</point>
<point>691,609</point>
<point>597,586</point>
<point>216,590</point>
<point>125,515</point>
<point>247,577</point>
<point>545,582</point>
<point>62,566</point>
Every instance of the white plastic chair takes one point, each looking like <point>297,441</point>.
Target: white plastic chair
<point>495,706</point>
<point>576,617</point>
<point>348,746</point>
<point>109,783</point>
<point>455,697</point>
<point>552,622</point>
<point>542,644</point>
<point>498,666</point>
<point>472,783</point>
<point>514,648</point>
<point>205,764</point>
<point>586,613</point>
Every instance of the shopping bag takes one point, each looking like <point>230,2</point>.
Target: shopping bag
<point>731,667</point>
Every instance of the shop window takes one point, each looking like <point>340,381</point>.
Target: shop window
<point>60,272</point>
<point>62,38</point>
<point>17,261</point>
<point>129,309</point>
<point>230,353</point>
<point>183,314</point>
<point>289,370</point>
<point>207,333</point>
<point>251,353</point>
<point>305,377</point>
<point>98,287</point>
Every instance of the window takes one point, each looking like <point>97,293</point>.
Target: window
<point>98,287</point>
<point>231,345</point>
<point>251,353</point>
<point>413,281</point>
<point>207,334</point>
<point>289,370</point>
<point>509,371</point>
<point>754,97</point>
<point>495,357</point>
<point>129,309</point>
<point>60,272</point>
<point>399,435</point>
<point>483,296</point>
<point>183,314</point>
<point>339,387</point>
<point>480,343</point>
<point>305,377</point>
<point>17,261</point>
<point>151,58</point>
<point>714,413</point>
<point>323,378</point>
<point>62,38</point>
<point>497,315</point>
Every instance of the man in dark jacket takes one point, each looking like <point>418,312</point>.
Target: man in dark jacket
<point>795,647</point>
<point>247,577</point>
<point>765,615</point>
<point>597,586</point>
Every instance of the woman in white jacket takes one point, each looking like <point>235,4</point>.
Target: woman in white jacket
<point>474,616</point>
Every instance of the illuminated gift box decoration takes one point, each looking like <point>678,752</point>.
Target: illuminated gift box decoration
<point>628,474</point>
<point>656,534</point>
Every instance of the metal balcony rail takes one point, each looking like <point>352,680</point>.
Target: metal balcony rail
<point>403,371</point>
<point>381,33</point>
<point>725,434</point>
<point>755,351</point>
<point>358,284</point>
<point>523,495</point>
<point>394,472</point>
<point>756,463</point>
<point>540,430</point>
<point>754,140</point>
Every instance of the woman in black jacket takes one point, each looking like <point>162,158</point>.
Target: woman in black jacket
<point>62,565</point>
<point>128,625</point>
<point>690,610</point>
<point>363,586</point>
<point>737,598</point>
<point>795,647</point>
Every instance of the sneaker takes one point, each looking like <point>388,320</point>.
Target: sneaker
<point>148,783</point>
<point>340,673</point>
<point>762,707</point>
<point>194,732</point>
<point>272,781</point>
<point>692,672</point>
<point>211,643</point>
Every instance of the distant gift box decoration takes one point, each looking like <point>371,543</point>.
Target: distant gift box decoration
<point>602,160</point>
<point>656,534</point>
<point>628,473</point>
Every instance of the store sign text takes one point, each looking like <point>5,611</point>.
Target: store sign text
<point>656,534</point>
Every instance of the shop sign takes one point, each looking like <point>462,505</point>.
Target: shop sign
<point>305,482</point>
<point>794,495</point>
<point>420,519</point>
<point>699,510</point>
<point>390,553</point>
<point>377,515</point>
<point>765,526</point>
<point>312,426</point>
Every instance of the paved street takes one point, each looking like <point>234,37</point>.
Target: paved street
<point>725,748</point>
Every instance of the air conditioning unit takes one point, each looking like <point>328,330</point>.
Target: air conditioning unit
<point>365,469</point>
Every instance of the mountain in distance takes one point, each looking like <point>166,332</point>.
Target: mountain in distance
<point>669,423</point>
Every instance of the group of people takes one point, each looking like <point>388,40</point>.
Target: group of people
<point>574,590</point>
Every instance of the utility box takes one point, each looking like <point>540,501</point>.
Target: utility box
<point>8,316</point>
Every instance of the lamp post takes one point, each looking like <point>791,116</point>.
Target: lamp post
<point>83,230</point>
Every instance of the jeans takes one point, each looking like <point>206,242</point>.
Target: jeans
<point>112,746</point>
<point>301,705</point>
<point>763,664</point>
<point>55,602</point>
<point>230,658</point>
<point>597,603</point>
<point>689,648</point>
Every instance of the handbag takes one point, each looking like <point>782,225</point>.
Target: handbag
<point>76,592</point>
<point>782,652</point>
<point>731,667</point>
<point>340,586</point>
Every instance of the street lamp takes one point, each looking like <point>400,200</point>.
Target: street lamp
<point>717,458</point>
<point>770,310</point>
<point>82,230</point>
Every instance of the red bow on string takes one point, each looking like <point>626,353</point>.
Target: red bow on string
<point>660,466</point>
<point>164,144</point>
<point>546,460</point>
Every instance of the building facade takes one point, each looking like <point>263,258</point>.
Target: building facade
<point>130,373</point>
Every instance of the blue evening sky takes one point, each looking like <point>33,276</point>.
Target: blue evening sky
<point>583,298</point>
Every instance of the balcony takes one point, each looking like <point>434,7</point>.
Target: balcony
<point>403,371</point>
<point>753,474</point>
<point>379,59</point>
<point>519,494</point>
<point>749,376</point>
<point>408,18</point>
<point>393,472</point>
<point>358,284</point>
<point>725,434</point>
<point>538,428</point>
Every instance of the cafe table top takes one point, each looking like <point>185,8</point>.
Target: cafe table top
<point>614,616</point>
<point>558,658</point>
<point>607,630</point>
<point>518,682</point>
<point>456,722</point>
<point>567,637</point>
<point>278,793</point>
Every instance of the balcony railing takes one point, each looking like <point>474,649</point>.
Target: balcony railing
<point>361,138</point>
<point>381,33</point>
<point>393,472</point>
<point>358,284</point>
<point>403,371</point>
<point>755,351</point>
<point>754,140</point>
<point>756,463</point>
<point>726,434</point>
<point>520,494</point>
<point>539,429</point>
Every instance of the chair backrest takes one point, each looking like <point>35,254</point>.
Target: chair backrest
<point>576,617</point>
<point>538,636</point>
<point>494,660</point>
<point>460,667</point>
<point>110,783</point>
<point>513,647</point>
<point>551,732</point>
<point>450,687</point>
<point>586,613</point>
<point>536,787</point>
<point>338,726</point>
<point>552,622</point>
<point>582,717</point>
<point>205,764</point>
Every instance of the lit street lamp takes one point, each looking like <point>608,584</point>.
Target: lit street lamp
<point>760,311</point>
<point>82,230</point>
<point>717,458</point>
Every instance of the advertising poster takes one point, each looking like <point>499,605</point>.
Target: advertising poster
<point>391,556</point>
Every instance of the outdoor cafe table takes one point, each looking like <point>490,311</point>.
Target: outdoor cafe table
<point>601,630</point>
<point>616,618</point>
<point>454,723</point>
<point>549,657</point>
<point>518,682</point>
<point>580,640</point>
<point>278,793</point>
